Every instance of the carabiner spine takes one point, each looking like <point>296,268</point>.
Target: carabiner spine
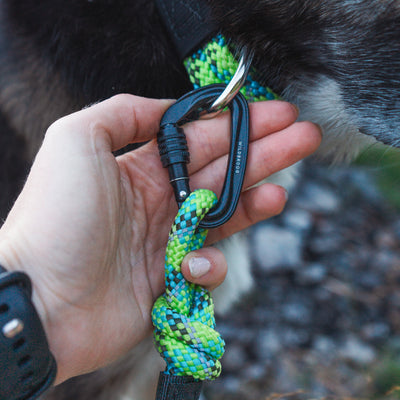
<point>236,167</point>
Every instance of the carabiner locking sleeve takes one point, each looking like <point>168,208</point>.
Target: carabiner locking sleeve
<point>175,155</point>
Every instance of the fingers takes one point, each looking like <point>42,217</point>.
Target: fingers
<point>118,121</point>
<point>209,139</point>
<point>267,155</point>
<point>206,267</point>
<point>255,205</point>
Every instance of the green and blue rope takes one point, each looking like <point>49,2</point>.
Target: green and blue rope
<point>215,63</point>
<point>183,317</point>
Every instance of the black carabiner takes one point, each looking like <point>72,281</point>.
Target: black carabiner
<point>175,154</point>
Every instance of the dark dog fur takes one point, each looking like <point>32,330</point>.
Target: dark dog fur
<point>339,60</point>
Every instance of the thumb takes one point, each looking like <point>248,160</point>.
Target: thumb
<point>206,267</point>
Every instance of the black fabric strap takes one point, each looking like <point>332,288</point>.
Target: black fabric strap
<point>27,366</point>
<point>188,22</point>
<point>171,387</point>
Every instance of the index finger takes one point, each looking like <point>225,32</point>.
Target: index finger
<point>210,139</point>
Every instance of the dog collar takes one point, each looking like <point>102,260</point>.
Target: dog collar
<point>205,53</point>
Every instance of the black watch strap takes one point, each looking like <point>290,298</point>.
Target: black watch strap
<point>27,366</point>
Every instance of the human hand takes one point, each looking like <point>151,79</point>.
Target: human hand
<point>91,229</point>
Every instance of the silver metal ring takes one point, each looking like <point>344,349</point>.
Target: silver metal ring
<point>233,87</point>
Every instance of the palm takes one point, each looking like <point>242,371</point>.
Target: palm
<point>114,224</point>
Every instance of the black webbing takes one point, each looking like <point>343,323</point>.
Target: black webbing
<point>171,387</point>
<point>188,22</point>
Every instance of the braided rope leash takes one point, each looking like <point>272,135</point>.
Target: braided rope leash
<point>184,316</point>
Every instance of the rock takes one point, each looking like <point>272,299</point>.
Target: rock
<point>232,384</point>
<point>297,219</point>
<point>364,183</point>
<point>369,279</point>
<point>326,243</point>
<point>235,332</point>
<point>277,248</point>
<point>394,300</point>
<point>385,239</point>
<point>383,260</point>
<point>322,295</point>
<point>357,352</point>
<point>254,372</point>
<point>268,343</point>
<point>234,358</point>
<point>263,315</point>
<point>295,337</point>
<point>318,198</point>
<point>312,274</point>
<point>324,345</point>
<point>297,313</point>
<point>376,331</point>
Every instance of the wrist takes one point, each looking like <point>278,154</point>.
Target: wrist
<point>11,261</point>
<point>28,366</point>
<point>67,329</point>
<point>15,255</point>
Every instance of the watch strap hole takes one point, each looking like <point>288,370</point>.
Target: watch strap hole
<point>17,345</point>
<point>27,377</point>
<point>24,361</point>
<point>4,308</point>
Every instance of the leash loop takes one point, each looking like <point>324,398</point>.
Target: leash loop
<point>175,155</point>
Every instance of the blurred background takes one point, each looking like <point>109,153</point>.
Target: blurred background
<point>323,320</point>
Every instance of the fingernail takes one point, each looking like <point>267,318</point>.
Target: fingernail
<point>296,108</point>
<point>286,195</point>
<point>199,266</point>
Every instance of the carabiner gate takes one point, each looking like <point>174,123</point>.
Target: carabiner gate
<point>175,155</point>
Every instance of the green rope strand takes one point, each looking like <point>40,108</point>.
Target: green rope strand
<point>214,63</point>
<point>184,316</point>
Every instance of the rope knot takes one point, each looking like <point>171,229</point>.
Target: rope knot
<point>184,316</point>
